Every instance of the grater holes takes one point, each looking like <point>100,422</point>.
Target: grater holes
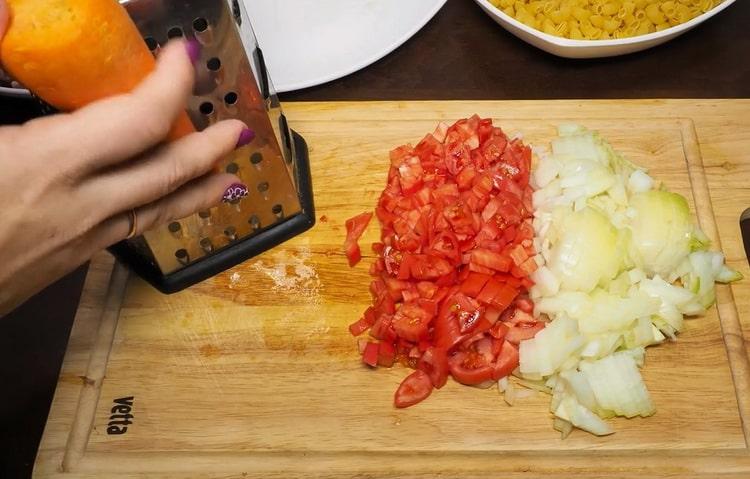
<point>182,256</point>
<point>256,158</point>
<point>278,211</point>
<point>254,222</point>
<point>213,64</point>
<point>200,25</point>
<point>175,32</point>
<point>151,43</point>
<point>230,99</point>
<point>206,108</point>
<point>231,233</point>
<point>232,168</point>
<point>263,186</point>
<point>175,228</point>
<point>206,245</point>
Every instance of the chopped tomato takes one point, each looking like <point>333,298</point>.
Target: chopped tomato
<point>470,368</point>
<point>354,228</point>
<point>358,327</point>
<point>499,330</point>
<point>522,331</point>
<point>507,361</point>
<point>451,279</point>
<point>491,259</point>
<point>474,283</point>
<point>415,388</point>
<point>386,354</point>
<point>370,355</point>
<point>411,322</point>
<point>434,362</point>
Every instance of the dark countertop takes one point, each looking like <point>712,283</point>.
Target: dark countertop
<point>461,54</point>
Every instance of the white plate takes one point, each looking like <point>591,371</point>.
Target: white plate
<point>568,48</point>
<point>310,42</point>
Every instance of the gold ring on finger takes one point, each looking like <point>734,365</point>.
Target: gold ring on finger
<point>133,224</point>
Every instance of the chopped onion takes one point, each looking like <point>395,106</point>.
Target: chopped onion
<point>611,243</point>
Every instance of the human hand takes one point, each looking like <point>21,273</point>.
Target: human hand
<point>70,181</point>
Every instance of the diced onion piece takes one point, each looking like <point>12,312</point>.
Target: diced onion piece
<point>618,386</point>
<point>640,182</point>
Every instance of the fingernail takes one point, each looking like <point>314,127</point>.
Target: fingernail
<point>193,50</point>
<point>246,137</point>
<point>236,191</point>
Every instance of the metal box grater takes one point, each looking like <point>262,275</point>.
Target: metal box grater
<point>231,82</point>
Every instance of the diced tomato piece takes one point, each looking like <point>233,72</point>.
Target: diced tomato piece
<point>414,389</point>
<point>518,316</point>
<point>430,306</point>
<point>411,322</point>
<point>499,330</point>
<point>410,295</point>
<point>447,329</point>
<point>525,304</point>
<point>470,368</point>
<point>395,287</point>
<point>385,304</point>
<point>352,252</point>
<point>493,148</point>
<point>518,255</point>
<point>481,269</point>
<point>504,296</point>
<point>354,228</point>
<point>410,175</point>
<point>382,327</point>
<point>508,279</point>
<point>386,354</point>
<point>528,266</point>
<point>491,259</point>
<point>489,291</point>
<point>445,245</point>
<point>465,177</point>
<point>460,217</point>
<point>370,355</point>
<point>506,361</point>
<point>474,283</point>
<point>427,289</point>
<point>434,362</point>
<point>423,196</point>
<point>359,326</point>
<point>426,267</point>
<point>483,186</point>
<point>404,266</point>
<point>523,331</point>
<point>356,225</point>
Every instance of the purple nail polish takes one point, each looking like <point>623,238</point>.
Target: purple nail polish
<point>246,137</point>
<point>236,191</point>
<point>193,50</point>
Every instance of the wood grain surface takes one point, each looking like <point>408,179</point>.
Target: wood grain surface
<point>254,374</point>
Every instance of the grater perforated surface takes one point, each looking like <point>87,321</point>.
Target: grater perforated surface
<point>231,82</point>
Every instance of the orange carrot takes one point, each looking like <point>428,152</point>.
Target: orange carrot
<point>73,52</point>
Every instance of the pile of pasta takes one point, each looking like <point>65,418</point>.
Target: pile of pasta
<point>603,19</point>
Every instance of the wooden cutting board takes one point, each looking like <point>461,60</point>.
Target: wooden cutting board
<point>254,374</point>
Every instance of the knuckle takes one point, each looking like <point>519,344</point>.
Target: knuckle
<point>151,122</point>
<point>173,176</point>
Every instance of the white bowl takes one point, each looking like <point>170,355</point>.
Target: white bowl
<point>564,47</point>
